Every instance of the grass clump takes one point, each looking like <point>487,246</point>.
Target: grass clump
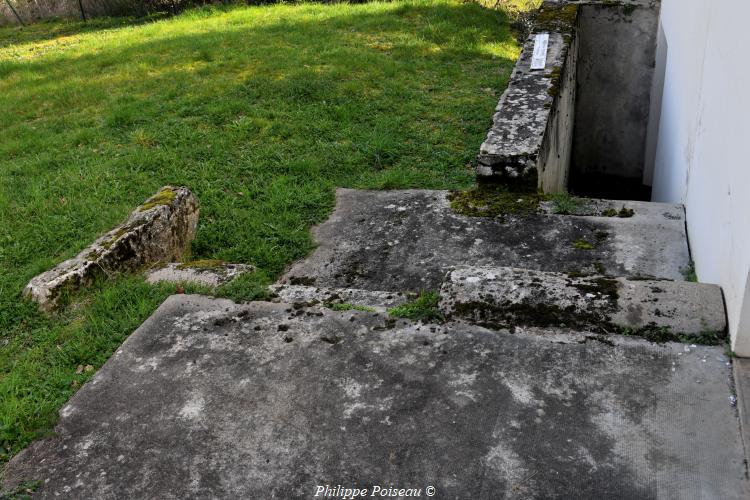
<point>493,200</point>
<point>689,273</point>
<point>246,287</point>
<point>424,308</point>
<point>261,111</point>
<point>565,204</point>
<point>349,307</point>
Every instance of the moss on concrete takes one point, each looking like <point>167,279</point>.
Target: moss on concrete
<point>607,287</point>
<point>583,245</point>
<point>489,200</point>
<point>623,213</point>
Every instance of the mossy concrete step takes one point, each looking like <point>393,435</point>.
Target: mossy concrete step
<point>408,240</point>
<point>507,297</point>
<point>338,298</point>
<point>211,399</point>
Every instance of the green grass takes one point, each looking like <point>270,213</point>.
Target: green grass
<point>565,204</point>
<point>423,308</point>
<point>262,111</point>
<point>349,307</point>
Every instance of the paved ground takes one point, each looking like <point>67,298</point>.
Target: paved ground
<point>210,399</point>
<point>407,240</point>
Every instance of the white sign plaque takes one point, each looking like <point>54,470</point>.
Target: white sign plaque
<point>539,59</point>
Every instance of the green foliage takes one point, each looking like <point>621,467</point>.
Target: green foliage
<point>23,491</point>
<point>246,287</point>
<point>689,273</point>
<point>349,307</point>
<point>423,308</point>
<point>565,204</point>
<point>262,111</point>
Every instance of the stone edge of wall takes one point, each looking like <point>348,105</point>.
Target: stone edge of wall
<point>520,149</point>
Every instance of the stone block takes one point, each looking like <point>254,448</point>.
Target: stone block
<point>507,297</point>
<point>159,230</point>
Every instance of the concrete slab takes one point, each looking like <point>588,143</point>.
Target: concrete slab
<point>508,297</point>
<point>408,240</point>
<point>209,399</point>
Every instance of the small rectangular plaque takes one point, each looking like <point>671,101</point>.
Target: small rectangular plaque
<point>539,59</point>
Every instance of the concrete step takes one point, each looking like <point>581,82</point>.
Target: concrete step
<point>218,393</point>
<point>339,298</point>
<point>506,297</point>
<point>408,240</point>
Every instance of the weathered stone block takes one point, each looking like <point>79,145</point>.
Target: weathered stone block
<point>211,273</point>
<point>506,297</point>
<point>310,295</point>
<point>159,230</point>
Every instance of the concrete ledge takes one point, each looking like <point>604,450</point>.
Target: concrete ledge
<point>506,297</point>
<point>529,143</point>
<point>159,230</point>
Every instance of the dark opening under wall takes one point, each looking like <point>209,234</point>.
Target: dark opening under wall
<point>580,122</point>
<point>616,59</point>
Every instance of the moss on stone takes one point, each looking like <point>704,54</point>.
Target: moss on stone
<point>202,264</point>
<point>489,200</point>
<point>164,197</point>
<point>583,245</point>
<point>607,287</point>
<point>555,77</point>
<point>623,213</point>
<point>556,17</point>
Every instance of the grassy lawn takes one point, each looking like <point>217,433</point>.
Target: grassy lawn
<point>262,111</point>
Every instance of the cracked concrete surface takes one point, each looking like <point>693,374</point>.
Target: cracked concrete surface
<point>209,399</point>
<point>408,240</point>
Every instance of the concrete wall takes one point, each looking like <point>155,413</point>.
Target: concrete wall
<point>615,73</point>
<point>701,153</point>
<point>555,154</point>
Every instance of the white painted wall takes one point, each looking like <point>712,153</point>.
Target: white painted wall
<point>703,141</point>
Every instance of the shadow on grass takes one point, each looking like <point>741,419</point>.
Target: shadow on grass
<point>53,28</point>
<point>261,118</point>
